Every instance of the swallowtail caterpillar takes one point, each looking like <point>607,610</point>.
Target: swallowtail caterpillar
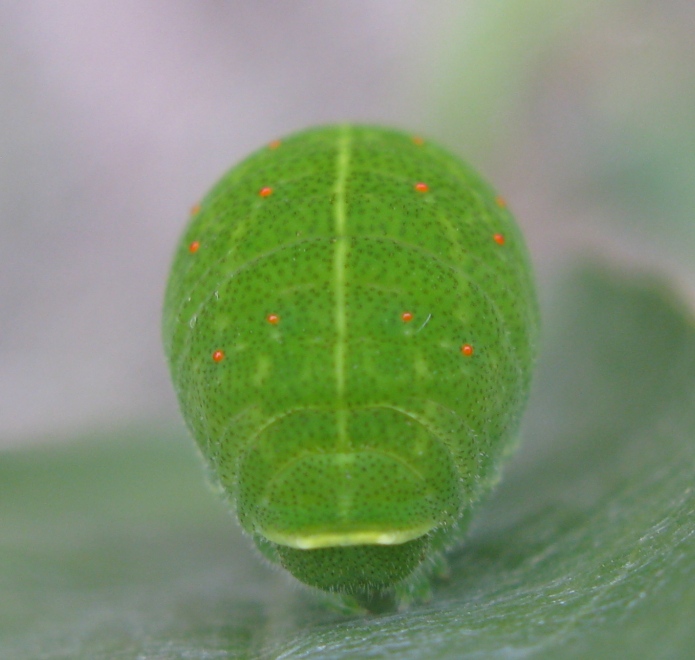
<point>350,325</point>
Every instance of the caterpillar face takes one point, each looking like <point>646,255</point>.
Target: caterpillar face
<point>350,325</point>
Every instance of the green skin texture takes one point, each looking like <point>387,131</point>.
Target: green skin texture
<point>352,442</point>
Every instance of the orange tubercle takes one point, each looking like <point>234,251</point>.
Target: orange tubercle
<point>265,192</point>
<point>195,209</point>
<point>499,239</point>
<point>501,202</point>
<point>218,356</point>
<point>407,317</point>
<point>422,187</point>
<point>273,319</point>
<point>274,144</point>
<point>467,350</point>
<point>194,247</point>
<point>418,140</point>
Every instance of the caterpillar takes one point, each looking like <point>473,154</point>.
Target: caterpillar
<point>351,325</point>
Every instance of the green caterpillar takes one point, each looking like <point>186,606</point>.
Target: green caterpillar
<point>351,325</point>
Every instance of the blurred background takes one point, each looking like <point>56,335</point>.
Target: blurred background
<point>115,117</point>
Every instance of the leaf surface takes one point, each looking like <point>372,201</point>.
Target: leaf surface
<point>114,548</point>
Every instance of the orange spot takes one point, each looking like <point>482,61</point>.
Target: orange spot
<point>218,356</point>
<point>467,350</point>
<point>500,201</point>
<point>265,192</point>
<point>407,317</point>
<point>274,144</point>
<point>499,239</point>
<point>418,140</point>
<point>422,187</point>
<point>273,319</point>
<point>195,209</point>
<point>193,247</point>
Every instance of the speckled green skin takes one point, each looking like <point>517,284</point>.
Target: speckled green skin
<point>351,441</point>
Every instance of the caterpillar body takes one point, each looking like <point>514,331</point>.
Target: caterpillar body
<point>351,325</point>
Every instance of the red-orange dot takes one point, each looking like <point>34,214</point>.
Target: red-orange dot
<point>218,356</point>
<point>422,187</point>
<point>274,144</point>
<point>418,140</point>
<point>500,201</point>
<point>467,350</point>
<point>499,239</point>
<point>193,247</point>
<point>273,319</point>
<point>407,317</point>
<point>265,192</point>
<point>195,209</point>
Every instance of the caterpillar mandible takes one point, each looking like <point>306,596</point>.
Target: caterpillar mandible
<point>351,325</point>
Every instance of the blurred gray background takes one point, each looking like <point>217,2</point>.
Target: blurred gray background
<point>116,116</point>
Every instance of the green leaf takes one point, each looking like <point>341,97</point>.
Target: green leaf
<point>113,548</point>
